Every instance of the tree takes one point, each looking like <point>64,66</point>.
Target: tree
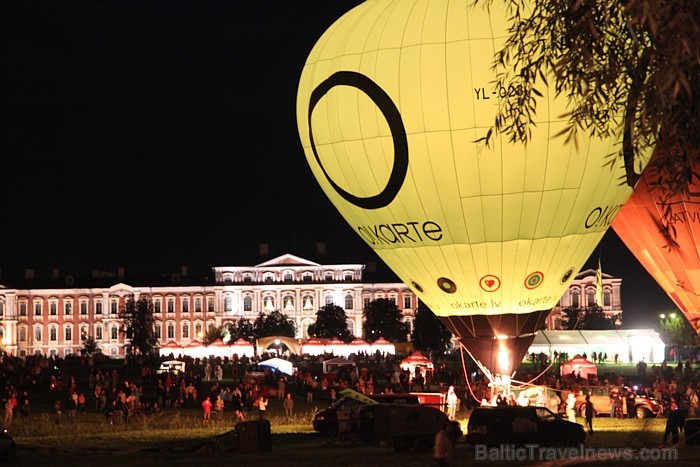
<point>213,333</point>
<point>89,346</point>
<point>636,59</point>
<point>138,322</point>
<point>591,318</point>
<point>242,328</point>
<point>429,333</point>
<point>274,324</point>
<point>331,321</point>
<point>675,329</point>
<point>383,318</point>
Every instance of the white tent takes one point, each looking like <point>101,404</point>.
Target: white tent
<point>285,366</point>
<point>631,345</point>
<point>312,346</point>
<point>332,363</point>
<point>383,346</point>
<point>242,348</point>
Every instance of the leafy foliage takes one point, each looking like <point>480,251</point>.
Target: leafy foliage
<point>138,323</point>
<point>383,318</point>
<point>676,330</point>
<point>429,333</point>
<point>243,328</point>
<point>637,59</point>
<point>212,333</point>
<point>331,321</point>
<point>591,318</point>
<point>274,324</point>
<point>89,345</point>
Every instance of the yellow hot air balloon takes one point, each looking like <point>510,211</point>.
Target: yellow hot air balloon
<point>390,103</point>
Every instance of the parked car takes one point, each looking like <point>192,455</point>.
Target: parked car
<point>8,448</point>
<point>494,426</point>
<point>404,426</point>
<point>326,421</point>
<point>644,406</point>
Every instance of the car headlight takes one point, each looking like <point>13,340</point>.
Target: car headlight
<point>319,418</point>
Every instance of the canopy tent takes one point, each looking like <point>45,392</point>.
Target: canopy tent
<point>312,346</point>
<point>176,366</point>
<point>171,347</point>
<point>631,345</point>
<point>580,366</point>
<point>359,345</point>
<point>336,346</point>
<point>285,366</point>
<point>194,349</point>
<point>243,348</point>
<point>383,346</point>
<point>332,363</point>
<point>218,348</point>
<point>417,362</point>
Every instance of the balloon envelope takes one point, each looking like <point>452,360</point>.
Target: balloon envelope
<point>664,237</point>
<point>390,103</point>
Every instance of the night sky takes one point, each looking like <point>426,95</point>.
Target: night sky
<point>154,134</point>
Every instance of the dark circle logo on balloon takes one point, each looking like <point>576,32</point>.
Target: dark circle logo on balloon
<point>534,280</point>
<point>567,275</point>
<point>417,286</point>
<point>446,285</point>
<point>398,134</point>
<point>490,283</point>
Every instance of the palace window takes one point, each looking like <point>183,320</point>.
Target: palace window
<point>349,302</point>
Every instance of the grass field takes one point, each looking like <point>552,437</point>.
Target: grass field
<point>179,438</point>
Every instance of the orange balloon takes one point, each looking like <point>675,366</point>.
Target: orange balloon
<point>665,237</point>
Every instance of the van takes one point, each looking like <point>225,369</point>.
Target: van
<point>404,427</point>
<point>517,425</point>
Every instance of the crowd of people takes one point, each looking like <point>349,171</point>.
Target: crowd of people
<point>124,389</point>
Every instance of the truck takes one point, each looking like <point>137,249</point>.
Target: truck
<point>404,427</point>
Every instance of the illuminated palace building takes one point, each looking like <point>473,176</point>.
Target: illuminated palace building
<point>50,315</point>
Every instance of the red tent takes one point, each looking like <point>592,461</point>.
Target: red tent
<point>417,361</point>
<point>580,366</point>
